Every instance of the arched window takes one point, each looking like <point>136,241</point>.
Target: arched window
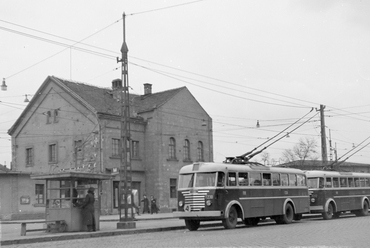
<point>200,151</point>
<point>186,150</point>
<point>56,115</point>
<point>172,148</point>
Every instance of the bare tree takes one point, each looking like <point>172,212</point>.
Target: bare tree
<point>265,156</point>
<point>304,150</point>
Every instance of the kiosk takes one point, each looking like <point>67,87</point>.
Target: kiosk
<point>65,192</point>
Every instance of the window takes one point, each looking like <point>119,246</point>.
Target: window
<point>293,180</point>
<point>275,179</point>
<point>328,182</point>
<point>172,149</point>
<point>186,150</point>
<point>266,179</point>
<point>29,156</point>
<point>200,151</point>
<point>39,192</point>
<point>301,180</point>
<point>231,179</point>
<point>115,147</point>
<point>255,179</point>
<point>343,182</point>
<point>221,179</point>
<point>284,179</point>
<point>357,182</point>
<point>53,153</point>
<point>78,149</point>
<point>335,182</point>
<point>173,183</point>
<point>351,182</point>
<point>243,179</point>
<point>56,115</point>
<point>135,149</point>
<point>115,193</point>
<point>48,117</point>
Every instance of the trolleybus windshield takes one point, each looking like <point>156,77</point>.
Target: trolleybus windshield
<point>204,179</point>
<point>315,182</point>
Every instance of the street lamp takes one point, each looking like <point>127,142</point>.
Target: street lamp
<point>3,86</point>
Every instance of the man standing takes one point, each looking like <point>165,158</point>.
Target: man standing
<point>88,210</point>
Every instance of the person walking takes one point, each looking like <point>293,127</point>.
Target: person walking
<point>146,205</point>
<point>88,210</point>
<point>153,205</point>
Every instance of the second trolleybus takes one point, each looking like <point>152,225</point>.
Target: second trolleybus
<point>250,191</point>
<point>333,192</point>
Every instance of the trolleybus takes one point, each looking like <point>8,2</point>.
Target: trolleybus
<point>250,191</point>
<point>333,192</point>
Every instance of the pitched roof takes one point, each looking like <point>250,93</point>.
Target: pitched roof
<point>102,100</point>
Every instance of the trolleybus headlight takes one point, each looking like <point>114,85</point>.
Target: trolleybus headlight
<point>313,200</point>
<point>181,204</point>
<point>208,203</point>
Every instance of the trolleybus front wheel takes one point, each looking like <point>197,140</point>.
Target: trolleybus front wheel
<point>231,220</point>
<point>328,215</point>
<point>192,225</point>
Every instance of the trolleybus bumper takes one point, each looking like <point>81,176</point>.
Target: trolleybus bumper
<point>197,214</point>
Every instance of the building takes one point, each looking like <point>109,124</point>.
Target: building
<point>74,126</point>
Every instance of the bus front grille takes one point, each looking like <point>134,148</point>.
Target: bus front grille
<point>194,200</point>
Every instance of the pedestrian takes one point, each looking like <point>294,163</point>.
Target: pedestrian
<point>153,205</point>
<point>146,205</point>
<point>88,210</point>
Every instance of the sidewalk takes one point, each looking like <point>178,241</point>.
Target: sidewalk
<point>10,230</point>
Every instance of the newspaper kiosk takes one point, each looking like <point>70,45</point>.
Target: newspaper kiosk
<point>65,192</point>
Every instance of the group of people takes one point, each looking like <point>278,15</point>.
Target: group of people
<point>152,203</point>
<point>87,207</point>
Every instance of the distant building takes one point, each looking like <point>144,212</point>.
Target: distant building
<point>317,165</point>
<point>74,126</point>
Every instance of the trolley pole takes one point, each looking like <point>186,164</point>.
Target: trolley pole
<point>126,201</point>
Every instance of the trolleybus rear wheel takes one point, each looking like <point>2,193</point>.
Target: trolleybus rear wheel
<point>192,225</point>
<point>231,220</point>
<point>288,215</point>
<point>327,215</point>
<point>364,211</point>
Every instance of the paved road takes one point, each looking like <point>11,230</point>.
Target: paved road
<point>344,232</point>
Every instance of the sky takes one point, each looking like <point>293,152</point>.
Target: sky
<point>245,61</point>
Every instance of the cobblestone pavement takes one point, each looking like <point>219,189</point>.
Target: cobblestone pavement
<point>343,232</point>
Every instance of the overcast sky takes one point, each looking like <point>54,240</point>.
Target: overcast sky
<point>244,61</point>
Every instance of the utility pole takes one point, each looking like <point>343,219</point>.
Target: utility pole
<point>126,200</point>
<point>324,153</point>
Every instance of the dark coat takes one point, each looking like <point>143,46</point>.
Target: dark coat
<point>88,209</point>
<point>153,206</point>
<point>146,205</point>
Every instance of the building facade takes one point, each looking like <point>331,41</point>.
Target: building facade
<point>75,126</point>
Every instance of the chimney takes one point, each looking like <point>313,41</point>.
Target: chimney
<point>147,89</point>
<point>116,84</point>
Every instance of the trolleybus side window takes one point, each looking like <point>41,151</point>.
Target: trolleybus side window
<point>275,179</point>
<point>231,180</point>
<point>321,182</point>
<point>292,180</point>
<point>351,183</point>
<point>301,180</point>
<point>255,179</point>
<point>367,182</point>
<point>328,183</point>
<point>284,179</point>
<point>357,182</point>
<point>266,179</point>
<point>335,182</point>
<point>243,179</point>
<point>221,179</point>
<point>343,182</point>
